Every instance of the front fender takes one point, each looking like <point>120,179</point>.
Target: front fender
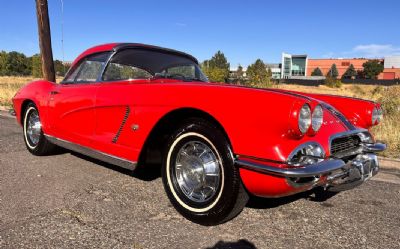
<point>36,92</point>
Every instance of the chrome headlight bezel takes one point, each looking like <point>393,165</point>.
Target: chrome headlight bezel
<point>366,137</point>
<point>304,119</point>
<point>306,154</point>
<point>317,118</point>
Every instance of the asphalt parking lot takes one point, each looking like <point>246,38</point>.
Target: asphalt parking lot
<point>70,201</point>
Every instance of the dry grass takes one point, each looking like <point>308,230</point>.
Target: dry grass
<point>389,97</point>
<point>9,85</point>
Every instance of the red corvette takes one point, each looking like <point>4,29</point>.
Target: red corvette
<point>134,104</point>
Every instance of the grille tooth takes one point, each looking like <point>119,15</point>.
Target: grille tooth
<point>343,144</point>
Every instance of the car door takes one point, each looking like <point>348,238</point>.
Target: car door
<point>115,122</point>
<point>72,113</point>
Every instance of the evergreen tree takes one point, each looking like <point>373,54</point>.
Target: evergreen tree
<point>350,72</point>
<point>317,72</point>
<point>333,72</point>
<point>217,68</point>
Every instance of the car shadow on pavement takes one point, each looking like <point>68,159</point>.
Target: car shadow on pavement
<point>240,244</point>
<point>315,195</point>
<point>148,172</point>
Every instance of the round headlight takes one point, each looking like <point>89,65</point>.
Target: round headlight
<point>304,118</point>
<point>376,115</point>
<point>317,118</point>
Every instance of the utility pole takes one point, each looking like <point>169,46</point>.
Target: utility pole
<point>45,40</point>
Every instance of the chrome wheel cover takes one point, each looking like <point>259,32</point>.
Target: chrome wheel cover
<point>33,128</point>
<point>197,171</point>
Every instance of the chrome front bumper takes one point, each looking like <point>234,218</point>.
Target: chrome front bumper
<point>353,174</point>
<point>335,174</point>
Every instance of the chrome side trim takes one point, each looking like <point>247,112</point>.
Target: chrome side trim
<point>317,169</point>
<point>93,153</point>
<point>127,112</point>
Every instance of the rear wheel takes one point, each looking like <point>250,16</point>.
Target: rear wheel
<point>34,138</point>
<point>199,175</point>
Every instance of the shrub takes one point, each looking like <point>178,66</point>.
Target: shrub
<point>332,82</point>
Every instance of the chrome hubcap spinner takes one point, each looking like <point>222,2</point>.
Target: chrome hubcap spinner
<point>197,171</point>
<point>34,127</point>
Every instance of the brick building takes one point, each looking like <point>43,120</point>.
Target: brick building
<point>341,64</point>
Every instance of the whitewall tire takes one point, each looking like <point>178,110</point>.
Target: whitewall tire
<point>35,141</point>
<point>199,174</point>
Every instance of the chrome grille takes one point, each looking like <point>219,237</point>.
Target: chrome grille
<point>342,145</point>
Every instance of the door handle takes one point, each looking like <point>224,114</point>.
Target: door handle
<point>54,92</point>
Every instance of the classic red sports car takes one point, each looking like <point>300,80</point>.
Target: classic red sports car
<point>132,104</point>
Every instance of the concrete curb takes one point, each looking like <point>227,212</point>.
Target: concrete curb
<point>384,162</point>
<point>5,113</point>
<point>389,163</point>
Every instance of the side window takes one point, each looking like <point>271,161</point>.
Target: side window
<point>187,71</point>
<point>88,69</point>
<point>118,71</point>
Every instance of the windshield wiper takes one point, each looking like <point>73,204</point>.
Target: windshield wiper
<point>177,76</point>
<point>194,79</point>
<point>167,76</point>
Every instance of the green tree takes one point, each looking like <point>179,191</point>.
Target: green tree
<point>372,69</point>
<point>269,73</point>
<point>18,64</point>
<point>60,68</point>
<point>238,75</point>
<point>217,68</point>
<point>215,74</point>
<point>219,61</point>
<point>258,73</point>
<point>317,72</point>
<point>3,63</point>
<point>36,66</point>
<point>239,72</point>
<point>350,72</point>
<point>333,72</point>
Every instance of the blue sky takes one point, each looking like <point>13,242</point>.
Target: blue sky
<point>243,30</point>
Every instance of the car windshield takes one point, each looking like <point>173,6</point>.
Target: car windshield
<point>148,63</point>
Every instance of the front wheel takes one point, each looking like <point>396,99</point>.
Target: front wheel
<point>199,174</point>
<point>34,138</point>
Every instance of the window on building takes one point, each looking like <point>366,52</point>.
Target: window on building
<point>287,66</point>
<point>299,66</point>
